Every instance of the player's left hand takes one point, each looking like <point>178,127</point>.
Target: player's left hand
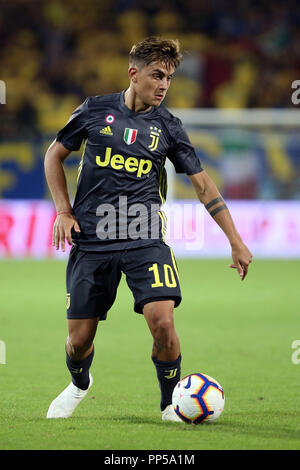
<point>241,257</point>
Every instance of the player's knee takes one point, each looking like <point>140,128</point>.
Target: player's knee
<point>163,330</point>
<point>165,325</point>
<point>77,345</point>
<point>161,323</point>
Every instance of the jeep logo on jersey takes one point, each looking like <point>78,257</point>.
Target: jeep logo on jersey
<point>130,135</point>
<point>131,164</point>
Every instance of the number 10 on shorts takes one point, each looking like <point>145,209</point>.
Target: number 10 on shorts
<point>169,276</point>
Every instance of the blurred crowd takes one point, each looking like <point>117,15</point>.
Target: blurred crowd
<point>237,54</point>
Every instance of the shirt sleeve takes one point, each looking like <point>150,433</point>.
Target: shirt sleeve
<point>74,132</point>
<point>182,153</point>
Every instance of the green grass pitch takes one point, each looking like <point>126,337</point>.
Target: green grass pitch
<point>240,333</point>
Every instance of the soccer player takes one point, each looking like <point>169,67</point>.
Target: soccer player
<point>116,224</point>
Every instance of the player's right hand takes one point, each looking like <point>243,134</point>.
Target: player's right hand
<point>62,227</point>
<point>241,257</point>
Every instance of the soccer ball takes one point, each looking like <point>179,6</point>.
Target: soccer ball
<point>197,398</point>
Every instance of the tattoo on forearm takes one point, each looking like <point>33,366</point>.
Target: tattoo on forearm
<point>218,209</point>
<point>213,202</point>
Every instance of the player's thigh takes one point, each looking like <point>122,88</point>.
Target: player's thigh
<point>152,275</point>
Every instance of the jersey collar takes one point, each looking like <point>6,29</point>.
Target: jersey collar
<point>129,112</point>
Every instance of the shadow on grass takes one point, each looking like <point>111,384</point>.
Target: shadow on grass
<point>260,426</point>
<point>135,420</point>
<point>257,427</point>
<point>254,426</point>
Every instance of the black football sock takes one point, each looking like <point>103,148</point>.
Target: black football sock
<point>80,370</point>
<point>168,374</point>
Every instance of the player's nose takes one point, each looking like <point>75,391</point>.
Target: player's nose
<point>164,84</point>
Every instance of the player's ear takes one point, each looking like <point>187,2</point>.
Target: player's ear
<point>132,71</point>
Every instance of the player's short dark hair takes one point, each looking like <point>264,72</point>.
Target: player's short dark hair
<point>155,49</point>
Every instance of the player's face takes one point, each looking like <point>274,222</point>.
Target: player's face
<point>152,81</point>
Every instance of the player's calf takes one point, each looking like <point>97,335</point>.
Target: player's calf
<point>166,355</point>
<point>79,370</point>
<point>80,350</point>
<point>159,316</point>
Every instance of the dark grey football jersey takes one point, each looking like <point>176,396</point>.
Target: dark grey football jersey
<point>122,180</point>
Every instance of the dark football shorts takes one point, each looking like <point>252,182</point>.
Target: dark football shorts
<point>93,277</point>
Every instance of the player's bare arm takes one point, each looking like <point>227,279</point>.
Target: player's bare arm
<point>56,179</point>
<point>209,195</point>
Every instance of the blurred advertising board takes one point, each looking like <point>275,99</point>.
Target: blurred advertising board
<point>270,229</point>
